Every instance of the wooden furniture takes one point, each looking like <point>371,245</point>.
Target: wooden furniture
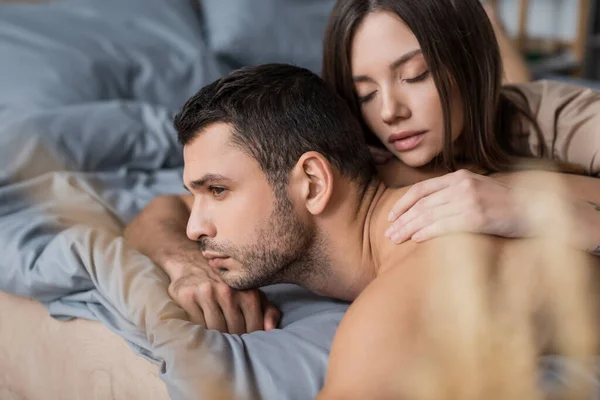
<point>591,60</point>
<point>576,50</point>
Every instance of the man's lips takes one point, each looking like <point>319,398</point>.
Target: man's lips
<point>215,260</point>
<point>210,255</point>
<point>406,140</point>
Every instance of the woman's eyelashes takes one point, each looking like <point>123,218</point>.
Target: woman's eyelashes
<point>419,78</point>
<point>364,99</point>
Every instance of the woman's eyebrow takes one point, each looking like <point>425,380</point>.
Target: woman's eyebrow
<point>405,58</point>
<point>395,64</point>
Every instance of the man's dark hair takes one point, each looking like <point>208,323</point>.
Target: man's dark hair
<point>278,112</point>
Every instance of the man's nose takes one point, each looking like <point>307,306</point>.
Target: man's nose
<point>393,107</point>
<point>199,225</point>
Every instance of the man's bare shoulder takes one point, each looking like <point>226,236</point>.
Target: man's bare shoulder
<point>384,250</point>
<point>380,321</point>
<point>387,320</point>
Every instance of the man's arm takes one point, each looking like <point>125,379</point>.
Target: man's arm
<point>159,232</point>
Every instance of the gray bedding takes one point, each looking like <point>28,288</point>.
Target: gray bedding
<point>89,89</point>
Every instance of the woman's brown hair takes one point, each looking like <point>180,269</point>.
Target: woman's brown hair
<point>459,45</point>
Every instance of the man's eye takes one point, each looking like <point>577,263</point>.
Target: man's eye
<point>217,191</point>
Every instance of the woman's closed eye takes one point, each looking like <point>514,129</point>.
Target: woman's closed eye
<point>417,78</point>
<point>366,98</point>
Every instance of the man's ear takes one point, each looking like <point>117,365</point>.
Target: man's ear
<point>313,178</point>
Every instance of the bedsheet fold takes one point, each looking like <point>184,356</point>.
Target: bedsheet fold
<point>89,90</point>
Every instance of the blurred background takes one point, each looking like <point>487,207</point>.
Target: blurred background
<point>556,37</point>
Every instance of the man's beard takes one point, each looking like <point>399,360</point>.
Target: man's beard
<point>286,250</point>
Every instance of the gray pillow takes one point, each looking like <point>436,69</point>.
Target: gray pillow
<point>64,53</point>
<point>250,32</point>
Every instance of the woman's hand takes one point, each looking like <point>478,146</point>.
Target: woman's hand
<point>461,201</point>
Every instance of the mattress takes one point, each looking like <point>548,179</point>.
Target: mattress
<point>46,359</point>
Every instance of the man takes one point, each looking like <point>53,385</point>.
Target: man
<point>284,190</point>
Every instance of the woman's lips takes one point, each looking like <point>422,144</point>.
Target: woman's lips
<point>407,140</point>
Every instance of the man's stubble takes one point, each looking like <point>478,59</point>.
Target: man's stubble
<point>285,250</point>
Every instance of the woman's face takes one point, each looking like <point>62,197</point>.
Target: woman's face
<point>397,95</point>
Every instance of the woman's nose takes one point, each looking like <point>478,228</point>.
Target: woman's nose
<point>393,107</point>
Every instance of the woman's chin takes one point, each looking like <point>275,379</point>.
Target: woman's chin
<point>416,159</point>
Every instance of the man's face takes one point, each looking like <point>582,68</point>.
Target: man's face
<point>249,235</point>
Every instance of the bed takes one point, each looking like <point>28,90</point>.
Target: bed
<point>86,140</point>
<point>42,357</point>
<point>89,90</point>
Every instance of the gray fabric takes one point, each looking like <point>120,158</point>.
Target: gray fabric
<point>68,52</point>
<point>89,89</point>
<point>573,81</point>
<point>250,32</point>
<point>60,242</point>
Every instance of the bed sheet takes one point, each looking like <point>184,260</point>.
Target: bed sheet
<point>42,358</point>
<point>86,140</point>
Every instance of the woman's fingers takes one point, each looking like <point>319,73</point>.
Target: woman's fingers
<point>423,220</point>
<point>422,206</point>
<point>416,193</point>
<point>445,226</point>
<point>460,201</point>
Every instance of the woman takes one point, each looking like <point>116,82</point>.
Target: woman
<point>424,77</point>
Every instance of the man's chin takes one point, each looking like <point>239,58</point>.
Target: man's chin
<point>235,281</point>
<point>238,282</point>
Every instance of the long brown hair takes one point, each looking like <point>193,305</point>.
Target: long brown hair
<point>459,45</point>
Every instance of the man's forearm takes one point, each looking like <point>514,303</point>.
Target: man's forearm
<point>159,232</point>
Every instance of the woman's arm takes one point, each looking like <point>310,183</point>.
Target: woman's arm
<point>505,205</point>
<point>585,192</point>
<point>513,62</point>
<point>569,119</point>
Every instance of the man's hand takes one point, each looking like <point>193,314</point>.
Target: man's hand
<point>211,303</point>
<point>159,233</point>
